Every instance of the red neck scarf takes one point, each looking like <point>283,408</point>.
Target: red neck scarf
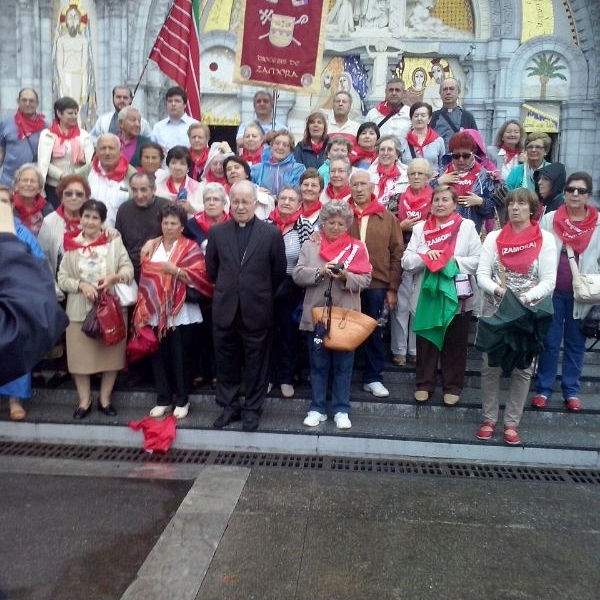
<point>284,222</point>
<point>386,109</point>
<point>467,179</point>
<point>31,217</point>
<point>386,175</point>
<point>316,148</point>
<point>430,136</point>
<point>359,154</point>
<point>77,241</point>
<point>348,251</point>
<point>72,226</point>
<point>440,237</point>
<point>341,194</point>
<point>60,149</point>
<point>205,223</point>
<point>510,152</point>
<point>199,162</point>
<point>576,234</point>
<point>415,204</point>
<point>372,208</point>
<point>252,157</point>
<point>308,212</point>
<point>518,251</point>
<point>172,187</point>
<point>210,177</point>
<point>117,174</point>
<point>27,126</point>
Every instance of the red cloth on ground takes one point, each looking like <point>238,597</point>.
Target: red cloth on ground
<point>159,434</point>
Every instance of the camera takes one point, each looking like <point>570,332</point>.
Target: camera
<point>336,268</point>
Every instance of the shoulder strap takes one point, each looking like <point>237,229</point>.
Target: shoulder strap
<point>446,118</point>
<point>260,126</point>
<point>385,119</point>
<point>411,150</point>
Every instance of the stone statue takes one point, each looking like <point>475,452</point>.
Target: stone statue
<point>374,14</point>
<point>341,18</point>
<point>380,66</point>
<point>420,18</point>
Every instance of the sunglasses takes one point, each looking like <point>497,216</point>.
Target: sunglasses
<point>463,155</point>
<point>70,194</point>
<point>572,189</point>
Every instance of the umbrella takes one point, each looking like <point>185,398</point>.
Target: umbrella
<point>515,333</point>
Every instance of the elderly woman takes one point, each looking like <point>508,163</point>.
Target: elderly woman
<point>507,151</point>
<point>310,150</point>
<point>28,203</point>
<point>178,186</point>
<point>442,256</point>
<point>469,179</point>
<point>338,146</point>
<point>388,172</point>
<point>338,187</point>
<point>317,266</point>
<point>199,135</point>
<point>90,265</point>
<point>63,148</point>
<point>537,145</point>
<point>521,257</point>
<point>413,208</point>
<point>365,152</point>
<point>278,167</point>
<point>422,141</point>
<point>311,187</point>
<point>237,169</point>
<point>575,225</point>
<point>295,229</point>
<point>253,144</point>
<point>174,263</point>
<point>151,158</point>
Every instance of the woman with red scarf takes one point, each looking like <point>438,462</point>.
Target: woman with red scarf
<point>174,264</point>
<point>28,203</point>
<point>295,229</point>
<point>237,169</point>
<point>520,257</point>
<point>344,261</point>
<point>338,187</point>
<point>389,172</point>
<point>198,134</point>
<point>253,144</point>
<point>364,152</point>
<point>310,150</point>
<point>508,150</point>
<point>413,208</point>
<point>64,147</point>
<point>575,224</point>
<point>311,188</point>
<point>443,250</point>
<point>470,180</point>
<point>422,141</point>
<point>91,264</point>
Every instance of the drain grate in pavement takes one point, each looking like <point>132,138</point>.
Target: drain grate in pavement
<point>291,461</point>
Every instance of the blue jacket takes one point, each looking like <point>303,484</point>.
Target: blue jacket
<point>274,176</point>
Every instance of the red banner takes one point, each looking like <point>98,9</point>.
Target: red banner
<point>281,44</point>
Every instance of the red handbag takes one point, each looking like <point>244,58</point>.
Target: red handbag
<point>110,319</point>
<point>142,343</point>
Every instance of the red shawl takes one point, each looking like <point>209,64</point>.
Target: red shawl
<point>517,251</point>
<point>77,242</point>
<point>283,222</point>
<point>210,177</point>
<point>440,237</point>
<point>308,212</point>
<point>60,149</point>
<point>205,224</point>
<point>31,217</point>
<point>341,194</point>
<point>467,180</point>
<point>576,234</point>
<point>430,136</point>
<point>199,162</point>
<point>510,152</point>
<point>316,148</point>
<point>384,176</point>
<point>27,126</point>
<point>252,158</point>
<point>163,295</point>
<point>72,226</point>
<point>372,208</point>
<point>359,154</point>
<point>117,174</point>
<point>172,187</point>
<point>415,204</point>
<point>347,250</point>
<point>386,109</point>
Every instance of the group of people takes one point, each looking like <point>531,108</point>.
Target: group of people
<point>232,251</point>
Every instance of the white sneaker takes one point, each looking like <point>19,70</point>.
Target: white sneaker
<point>342,421</point>
<point>287,390</point>
<point>181,412</point>
<point>159,411</point>
<point>314,418</point>
<point>377,389</point>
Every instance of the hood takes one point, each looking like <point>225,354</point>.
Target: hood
<point>556,173</point>
<point>478,140</point>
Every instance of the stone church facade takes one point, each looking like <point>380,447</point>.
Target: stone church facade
<point>534,60</point>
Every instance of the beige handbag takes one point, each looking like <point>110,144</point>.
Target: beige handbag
<point>586,287</point>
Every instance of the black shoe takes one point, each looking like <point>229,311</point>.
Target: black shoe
<point>57,379</point>
<point>250,421</point>
<point>226,417</point>
<point>82,413</point>
<point>108,410</point>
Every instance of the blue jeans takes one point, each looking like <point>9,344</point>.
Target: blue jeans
<point>567,330</point>
<point>322,362</point>
<point>371,304</point>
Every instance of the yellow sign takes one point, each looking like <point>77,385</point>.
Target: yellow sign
<point>540,117</point>
<point>538,19</point>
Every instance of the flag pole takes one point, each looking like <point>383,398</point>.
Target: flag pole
<point>275,97</point>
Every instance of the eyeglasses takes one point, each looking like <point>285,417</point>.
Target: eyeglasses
<point>463,155</point>
<point>71,194</point>
<point>570,189</point>
<point>534,148</point>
